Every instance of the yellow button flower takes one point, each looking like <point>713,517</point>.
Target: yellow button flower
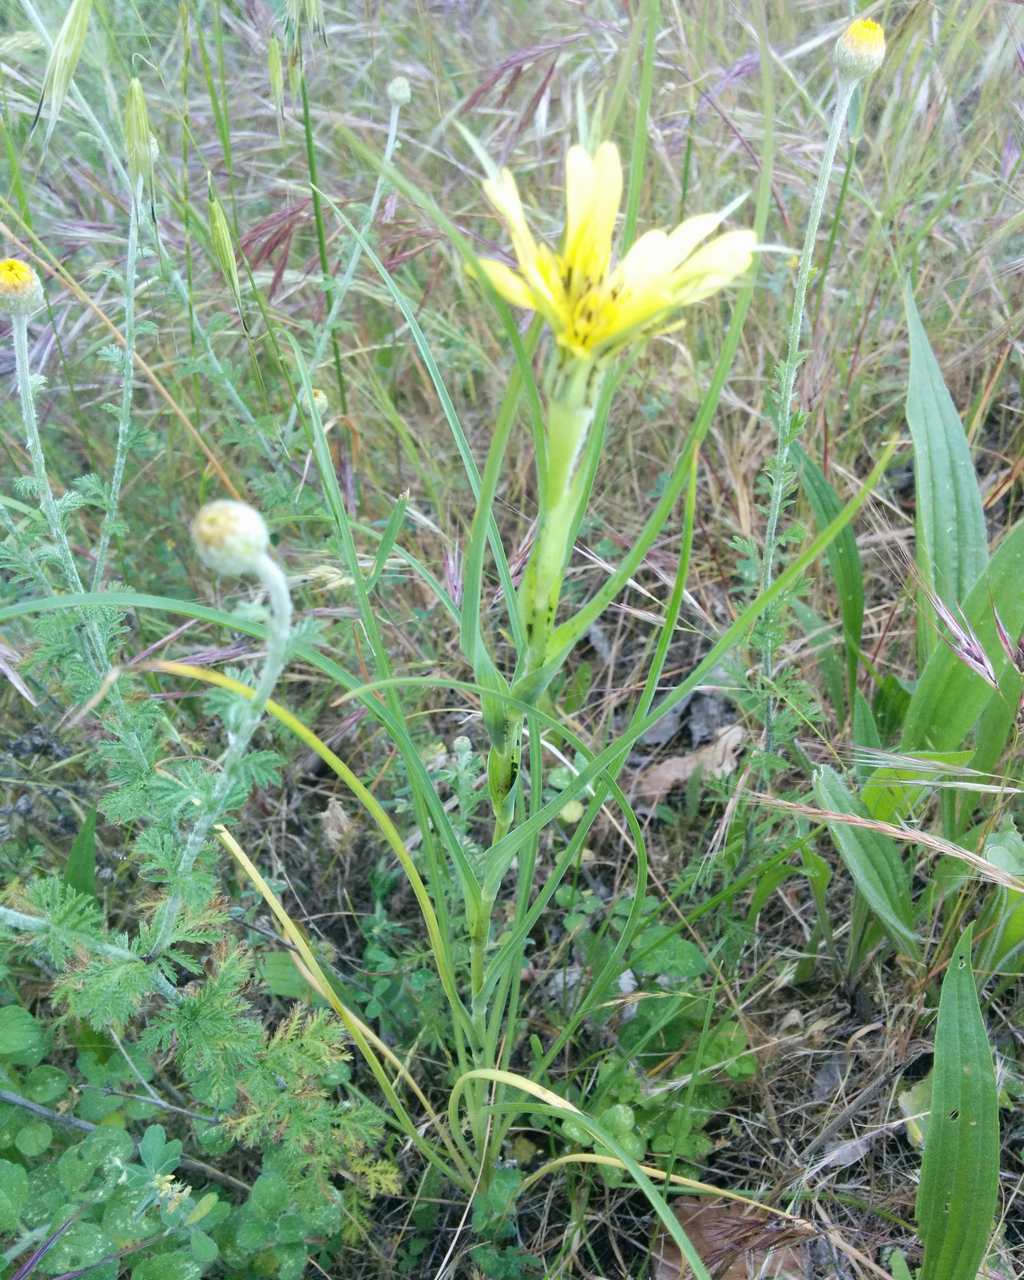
<point>595,308</point>
<point>20,290</point>
<point>860,50</point>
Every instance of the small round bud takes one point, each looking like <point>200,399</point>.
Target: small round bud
<point>230,537</point>
<point>20,290</point>
<point>318,401</point>
<point>571,812</point>
<point>860,50</point>
<point>399,91</point>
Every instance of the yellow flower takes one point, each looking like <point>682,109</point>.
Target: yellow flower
<point>860,50</point>
<point>594,308</point>
<point>20,290</point>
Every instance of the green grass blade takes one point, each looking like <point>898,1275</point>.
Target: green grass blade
<point>387,542</point>
<point>447,407</point>
<point>335,503</point>
<point>843,558</point>
<point>609,757</point>
<point>952,545</point>
<point>641,125</point>
<point>956,1200</point>
<point>872,860</point>
<point>949,697</point>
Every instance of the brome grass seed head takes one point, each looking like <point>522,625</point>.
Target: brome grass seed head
<point>860,50</point>
<point>594,308</point>
<point>20,290</point>
<point>137,136</point>
<point>67,49</point>
<point>304,15</point>
<point>275,73</point>
<point>221,243</point>
<point>231,537</point>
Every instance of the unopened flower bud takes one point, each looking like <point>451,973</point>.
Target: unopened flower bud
<point>399,91</point>
<point>860,50</point>
<point>318,401</point>
<point>20,290</point>
<point>231,537</point>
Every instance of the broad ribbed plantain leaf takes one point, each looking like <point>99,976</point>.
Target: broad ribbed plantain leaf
<point>956,1200</point>
<point>952,545</point>
<point>950,697</point>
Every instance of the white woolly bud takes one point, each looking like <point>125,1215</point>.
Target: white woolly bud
<point>399,91</point>
<point>231,537</point>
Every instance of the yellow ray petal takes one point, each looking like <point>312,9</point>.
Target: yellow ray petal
<point>504,195</point>
<point>713,267</point>
<point>591,212</point>
<point>689,234</point>
<point>633,313</point>
<point>512,287</point>
<point>579,186</point>
<point>605,204</point>
<point>647,260</point>
<point>545,280</point>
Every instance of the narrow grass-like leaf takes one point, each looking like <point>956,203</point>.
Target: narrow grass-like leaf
<point>369,1044</point>
<point>335,503</point>
<point>956,1200</point>
<point>872,860</point>
<point>949,697</point>
<point>421,781</point>
<point>952,545</point>
<point>609,757</point>
<point>641,126</point>
<point>395,521</point>
<point>365,797</point>
<point>552,1103</point>
<point>843,558</point>
<point>822,640</point>
<point>448,408</point>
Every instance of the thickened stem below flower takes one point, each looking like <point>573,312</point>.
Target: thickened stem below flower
<point>575,388</point>
<point>570,414</point>
<point>34,443</point>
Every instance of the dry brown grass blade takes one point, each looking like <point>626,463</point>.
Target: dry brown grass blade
<point>906,834</point>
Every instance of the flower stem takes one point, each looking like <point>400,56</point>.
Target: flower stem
<point>44,493</point>
<point>249,716</point>
<point>124,418</point>
<point>787,432</point>
<point>24,923</point>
